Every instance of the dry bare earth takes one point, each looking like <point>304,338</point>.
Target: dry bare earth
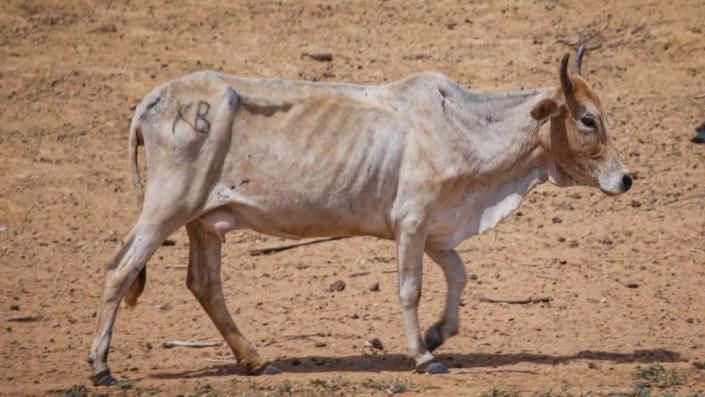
<point>70,73</point>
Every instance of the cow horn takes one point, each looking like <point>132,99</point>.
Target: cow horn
<point>577,64</point>
<point>566,84</point>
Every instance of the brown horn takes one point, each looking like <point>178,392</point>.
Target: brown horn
<point>566,84</point>
<point>577,64</point>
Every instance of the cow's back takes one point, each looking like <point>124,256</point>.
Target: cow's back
<point>304,159</point>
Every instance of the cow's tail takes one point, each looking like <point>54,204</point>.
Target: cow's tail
<point>134,143</point>
<point>137,286</point>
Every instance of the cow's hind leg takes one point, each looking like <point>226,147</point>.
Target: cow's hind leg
<point>456,278</point>
<point>141,243</point>
<point>204,282</point>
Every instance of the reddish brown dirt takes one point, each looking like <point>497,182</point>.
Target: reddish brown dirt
<point>71,72</point>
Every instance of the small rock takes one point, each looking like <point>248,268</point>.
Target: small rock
<point>107,28</point>
<point>561,239</point>
<point>3,229</point>
<point>374,287</point>
<point>473,277</point>
<point>375,343</point>
<point>320,344</point>
<point>606,241</point>
<point>562,261</point>
<point>55,324</point>
<point>572,243</point>
<point>320,57</point>
<point>636,204</point>
<point>592,365</point>
<point>337,286</point>
<point>632,285</point>
<point>15,308</point>
<point>700,136</point>
<point>556,220</point>
<point>168,243</point>
<point>689,320</point>
<point>164,307</point>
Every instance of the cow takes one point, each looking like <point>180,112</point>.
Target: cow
<point>422,161</point>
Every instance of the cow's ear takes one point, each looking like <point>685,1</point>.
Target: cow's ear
<point>544,109</point>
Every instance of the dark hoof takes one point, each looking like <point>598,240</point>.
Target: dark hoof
<point>270,370</point>
<point>103,378</point>
<point>433,337</point>
<point>435,369</point>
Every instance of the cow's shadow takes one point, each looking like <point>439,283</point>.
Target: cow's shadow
<point>400,363</point>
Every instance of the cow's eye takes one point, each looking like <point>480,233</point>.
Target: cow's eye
<point>588,121</point>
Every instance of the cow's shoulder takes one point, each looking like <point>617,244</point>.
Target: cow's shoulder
<point>423,89</point>
<point>426,80</point>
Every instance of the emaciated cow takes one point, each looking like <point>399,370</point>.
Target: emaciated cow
<point>422,161</point>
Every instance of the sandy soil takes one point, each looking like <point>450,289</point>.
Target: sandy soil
<point>626,275</point>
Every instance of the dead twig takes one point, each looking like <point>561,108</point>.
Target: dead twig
<point>591,44</point>
<point>195,345</point>
<point>521,371</point>
<point>390,271</point>
<point>22,319</point>
<point>681,199</point>
<point>176,266</point>
<point>525,301</point>
<point>700,96</point>
<point>358,274</point>
<point>222,361</point>
<point>280,248</point>
<point>304,336</point>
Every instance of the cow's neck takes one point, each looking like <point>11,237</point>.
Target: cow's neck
<point>498,144</point>
<point>497,137</point>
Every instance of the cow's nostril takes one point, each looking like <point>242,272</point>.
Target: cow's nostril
<point>627,181</point>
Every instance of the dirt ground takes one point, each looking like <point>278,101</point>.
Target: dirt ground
<point>626,274</point>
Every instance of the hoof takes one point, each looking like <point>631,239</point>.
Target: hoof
<point>433,337</point>
<point>435,369</point>
<point>270,369</point>
<point>103,378</point>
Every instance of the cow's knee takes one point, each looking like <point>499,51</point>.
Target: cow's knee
<point>409,295</point>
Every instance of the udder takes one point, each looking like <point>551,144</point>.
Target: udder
<point>220,221</point>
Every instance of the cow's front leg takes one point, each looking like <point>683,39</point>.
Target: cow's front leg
<point>410,260</point>
<point>456,278</point>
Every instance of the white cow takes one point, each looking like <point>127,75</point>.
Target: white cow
<point>422,161</point>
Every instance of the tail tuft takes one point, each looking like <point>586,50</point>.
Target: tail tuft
<point>136,288</point>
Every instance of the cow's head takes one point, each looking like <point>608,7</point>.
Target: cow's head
<point>578,142</point>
